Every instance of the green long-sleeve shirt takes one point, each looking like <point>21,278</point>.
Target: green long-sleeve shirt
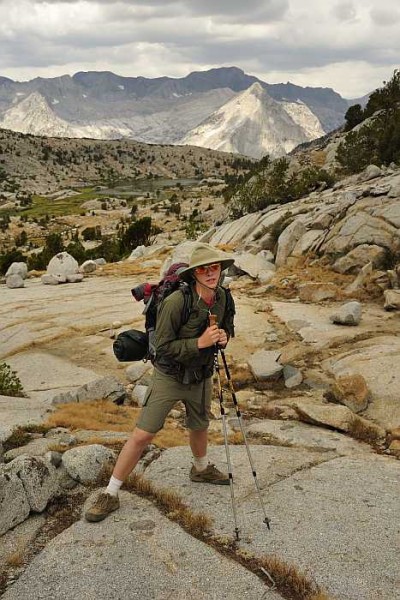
<point>176,344</point>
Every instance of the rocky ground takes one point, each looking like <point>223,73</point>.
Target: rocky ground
<point>321,412</point>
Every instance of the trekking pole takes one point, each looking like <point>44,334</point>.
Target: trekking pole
<point>225,431</point>
<point>239,416</point>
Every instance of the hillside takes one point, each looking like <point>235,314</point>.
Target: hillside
<point>39,164</point>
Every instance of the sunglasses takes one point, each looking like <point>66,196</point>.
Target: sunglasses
<point>205,268</point>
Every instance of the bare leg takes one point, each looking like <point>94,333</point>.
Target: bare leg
<point>198,442</point>
<point>131,453</point>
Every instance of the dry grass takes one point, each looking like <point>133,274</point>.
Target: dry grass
<point>128,268</point>
<point>303,272</point>
<point>236,438</point>
<point>196,523</point>
<point>288,579</point>
<point>15,559</point>
<point>362,430</point>
<point>103,415</point>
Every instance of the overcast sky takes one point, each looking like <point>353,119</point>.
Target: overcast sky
<point>349,45</point>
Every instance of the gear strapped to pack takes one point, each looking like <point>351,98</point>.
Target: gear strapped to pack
<point>134,345</point>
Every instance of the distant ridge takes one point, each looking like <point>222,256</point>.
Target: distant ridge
<point>162,110</point>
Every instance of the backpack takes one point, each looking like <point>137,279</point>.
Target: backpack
<point>133,345</point>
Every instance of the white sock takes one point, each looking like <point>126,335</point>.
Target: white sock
<point>113,486</point>
<point>200,463</point>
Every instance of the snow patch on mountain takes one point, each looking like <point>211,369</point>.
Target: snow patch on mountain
<point>34,115</point>
<point>254,124</point>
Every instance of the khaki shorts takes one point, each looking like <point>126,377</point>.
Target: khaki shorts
<point>164,392</point>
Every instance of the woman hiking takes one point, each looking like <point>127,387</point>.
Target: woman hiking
<point>183,368</point>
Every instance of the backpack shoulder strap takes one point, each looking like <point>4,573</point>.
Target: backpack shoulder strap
<point>229,313</point>
<point>187,303</point>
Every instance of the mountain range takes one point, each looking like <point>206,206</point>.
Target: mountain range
<point>222,108</point>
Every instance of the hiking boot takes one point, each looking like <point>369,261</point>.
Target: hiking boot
<point>210,475</point>
<point>102,507</point>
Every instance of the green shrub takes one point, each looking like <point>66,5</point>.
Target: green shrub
<point>377,141</point>
<point>276,185</point>
<point>8,258</point>
<point>10,384</point>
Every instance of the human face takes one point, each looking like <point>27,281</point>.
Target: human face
<point>208,274</point>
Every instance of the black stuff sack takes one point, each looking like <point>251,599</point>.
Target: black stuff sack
<point>131,345</point>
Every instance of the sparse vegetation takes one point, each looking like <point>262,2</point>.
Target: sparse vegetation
<point>10,384</point>
<point>376,139</point>
<point>276,183</point>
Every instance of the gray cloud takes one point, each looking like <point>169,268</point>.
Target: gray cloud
<point>344,11</point>
<point>384,17</point>
<point>283,39</point>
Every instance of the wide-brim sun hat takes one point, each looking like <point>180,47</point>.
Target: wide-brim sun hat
<point>204,254</point>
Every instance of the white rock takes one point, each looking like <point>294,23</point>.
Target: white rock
<point>85,463</point>
<point>74,278</point>
<point>53,279</point>
<point>89,266</point>
<point>14,281</point>
<point>392,299</point>
<point>348,314</point>
<point>38,478</point>
<point>62,264</point>
<point>264,365</point>
<point>14,505</point>
<point>370,172</point>
<point>18,268</point>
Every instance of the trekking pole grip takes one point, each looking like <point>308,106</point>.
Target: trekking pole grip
<point>213,320</point>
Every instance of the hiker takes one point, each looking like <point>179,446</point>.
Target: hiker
<point>183,368</point>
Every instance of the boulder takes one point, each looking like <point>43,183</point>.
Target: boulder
<point>379,190</point>
<point>338,417</point>
<point>293,377</point>
<point>89,266</point>
<point>263,364</point>
<point>137,370</point>
<point>394,188</point>
<point>348,314</point>
<point>371,172</point>
<point>360,256</point>
<point>100,261</point>
<point>136,253</point>
<point>14,281</point>
<point>18,268</point>
<point>392,299</point>
<point>62,264</point>
<point>351,391</point>
<point>106,388</point>
<point>53,279</point>
<point>14,505</point>
<point>85,463</point>
<point>38,478</point>
<point>361,278</point>
<point>252,264</point>
<point>288,240</point>
<point>139,393</point>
